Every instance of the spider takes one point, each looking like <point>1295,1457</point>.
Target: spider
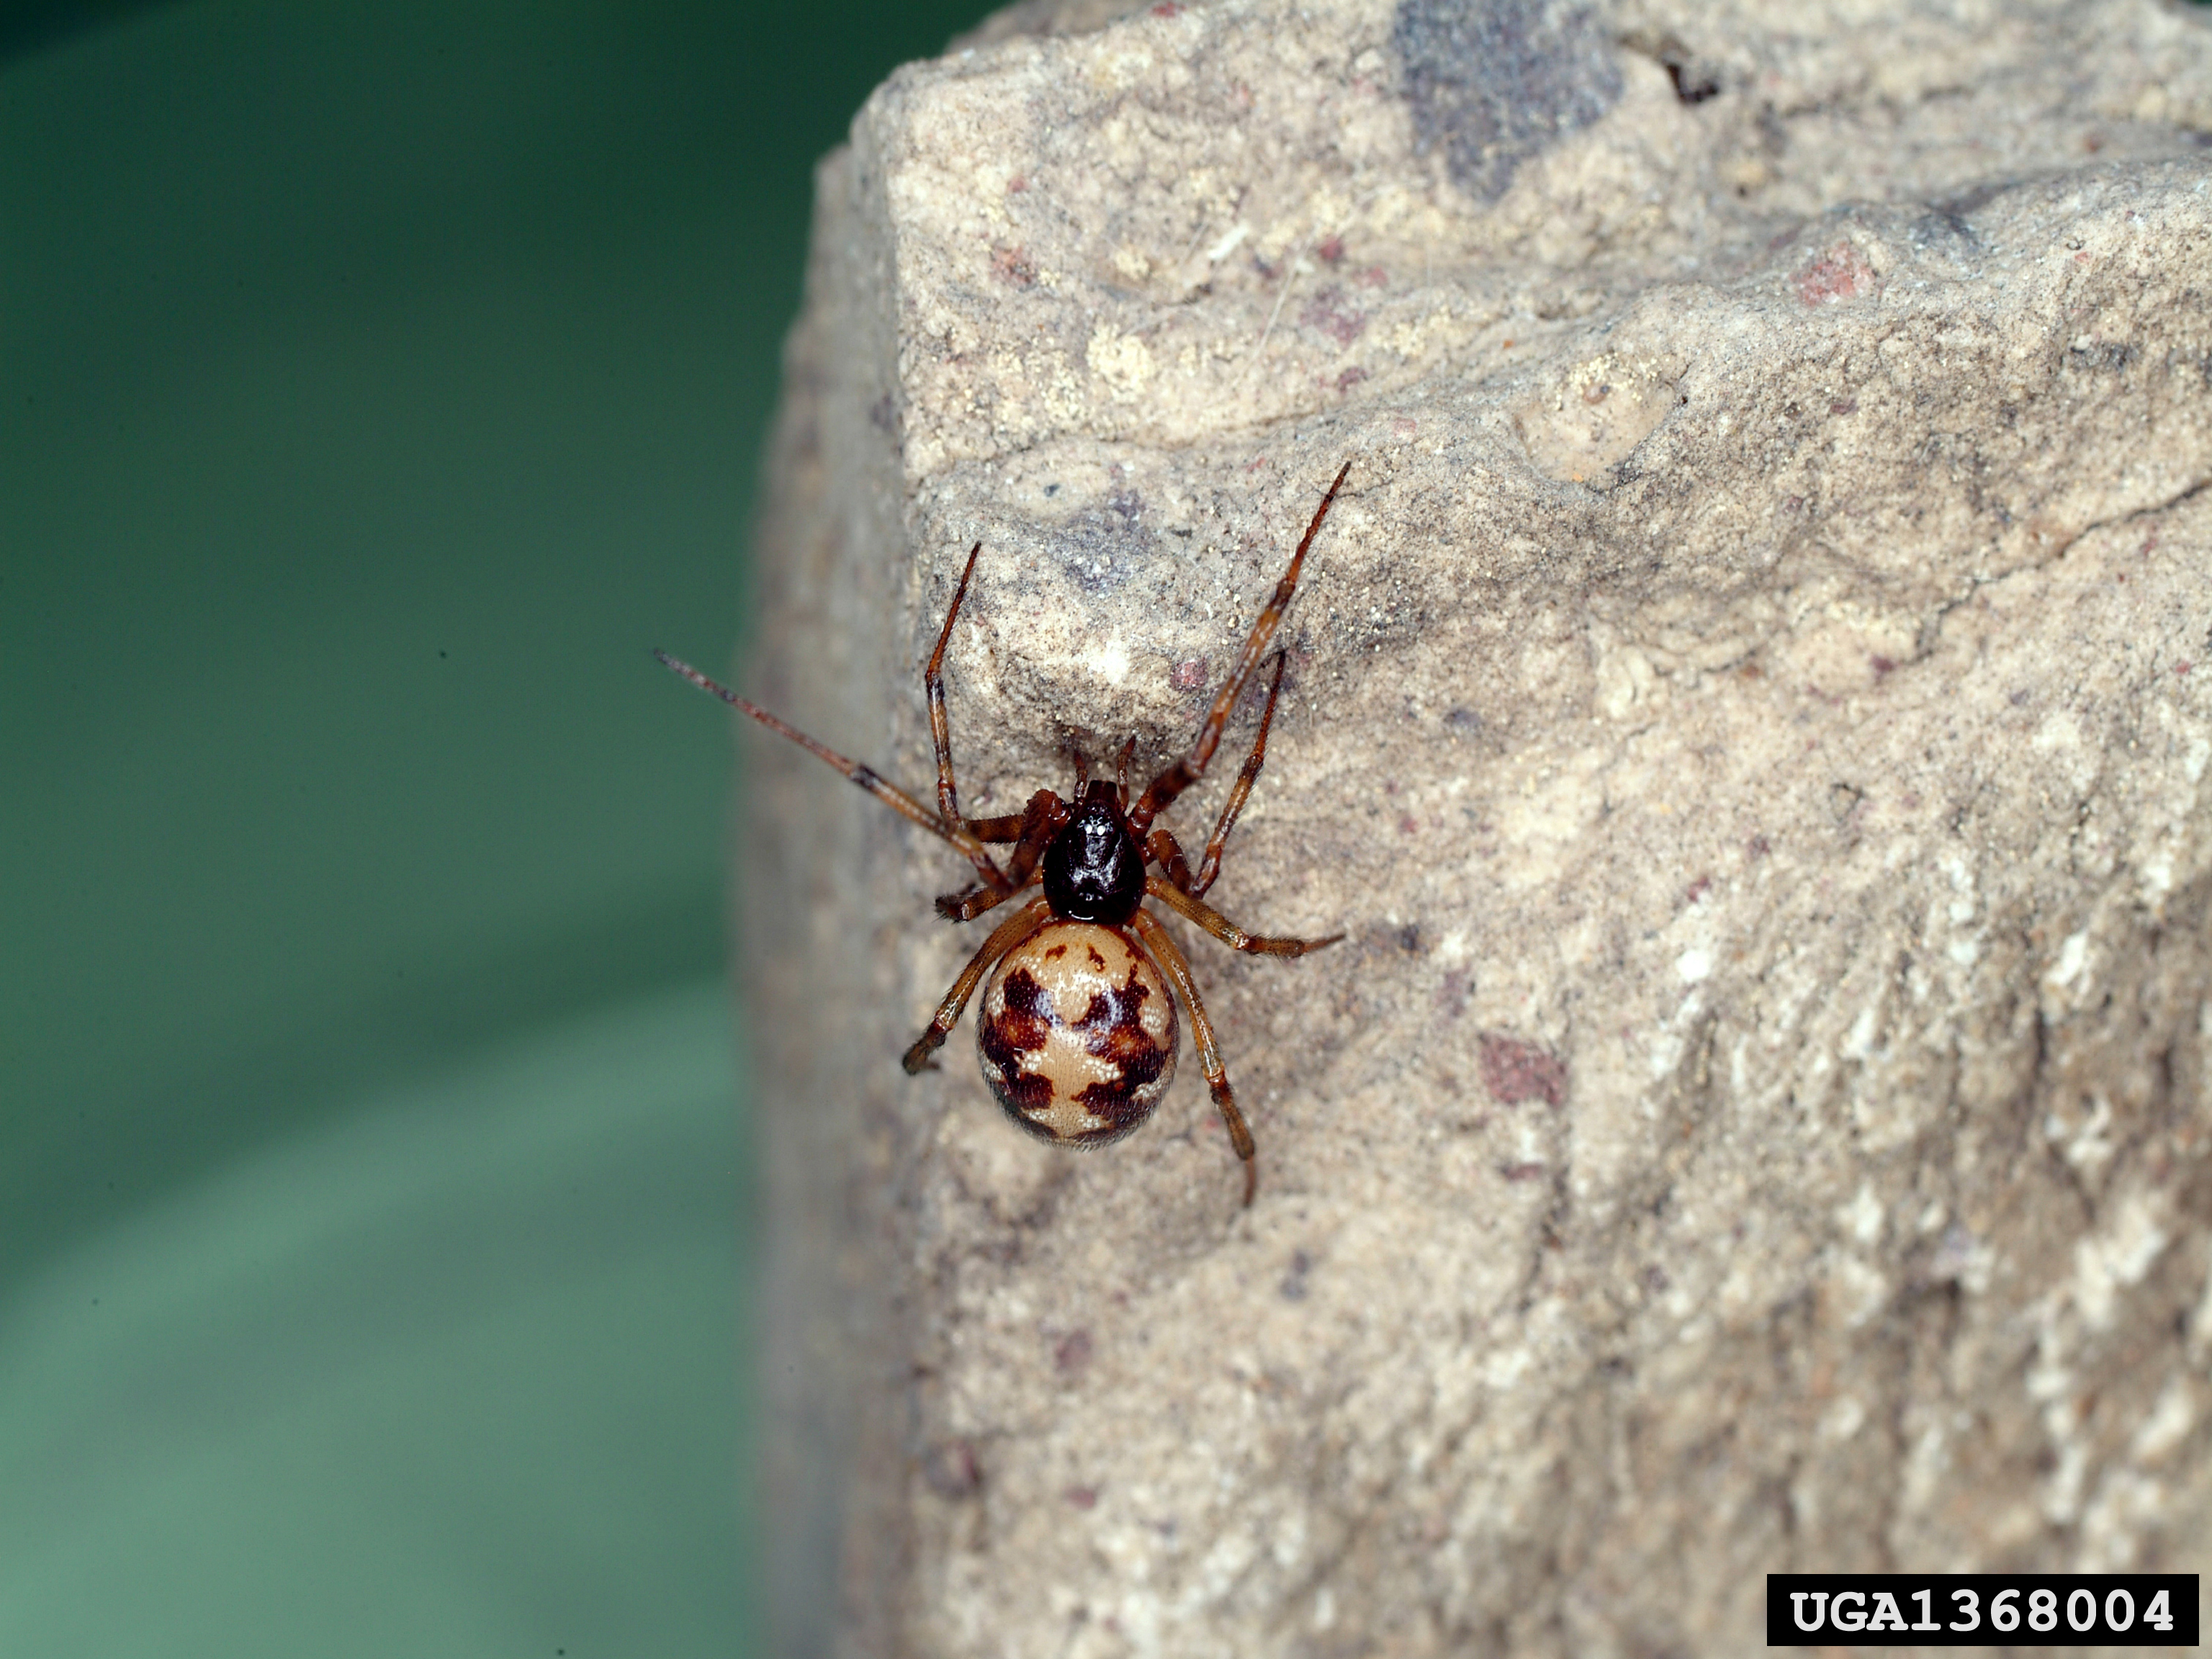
<point>1077,1030</point>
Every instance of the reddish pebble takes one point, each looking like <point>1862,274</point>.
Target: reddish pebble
<point>1841,273</point>
<point>1513,1071</point>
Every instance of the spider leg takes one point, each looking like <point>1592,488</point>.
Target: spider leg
<point>891,796</point>
<point>1209,865</point>
<point>1191,767</point>
<point>1044,817</point>
<point>1170,959</point>
<point>1007,935</point>
<point>970,903</point>
<point>1190,907</point>
<point>1121,770</point>
<point>1164,850</point>
<point>940,724</point>
<point>1042,820</point>
<point>933,685</point>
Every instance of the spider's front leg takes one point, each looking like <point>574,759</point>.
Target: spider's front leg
<point>1246,774</point>
<point>1164,850</point>
<point>940,734</point>
<point>1032,831</point>
<point>1160,793</point>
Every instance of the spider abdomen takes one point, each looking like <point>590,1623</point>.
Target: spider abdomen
<point>1077,1034</point>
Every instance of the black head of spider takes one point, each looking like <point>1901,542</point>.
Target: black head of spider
<point>1093,870</point>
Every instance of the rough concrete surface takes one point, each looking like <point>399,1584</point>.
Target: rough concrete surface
<point>1749,711</point>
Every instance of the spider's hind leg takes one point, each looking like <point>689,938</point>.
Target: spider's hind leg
<point>1007,935</point>
<point>1170,959</point>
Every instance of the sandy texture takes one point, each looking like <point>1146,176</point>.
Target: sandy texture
<point>1749,711</point>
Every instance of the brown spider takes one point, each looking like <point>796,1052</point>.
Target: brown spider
<point>1077,1032</point>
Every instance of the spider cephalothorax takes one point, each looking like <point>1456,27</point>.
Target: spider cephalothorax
<point>1077,1030</point>
<point>1094,869</point>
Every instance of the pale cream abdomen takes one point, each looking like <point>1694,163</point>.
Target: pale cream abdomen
<point>1077,1032</point>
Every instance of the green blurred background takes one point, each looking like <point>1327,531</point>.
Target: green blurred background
<point>377,384</point>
